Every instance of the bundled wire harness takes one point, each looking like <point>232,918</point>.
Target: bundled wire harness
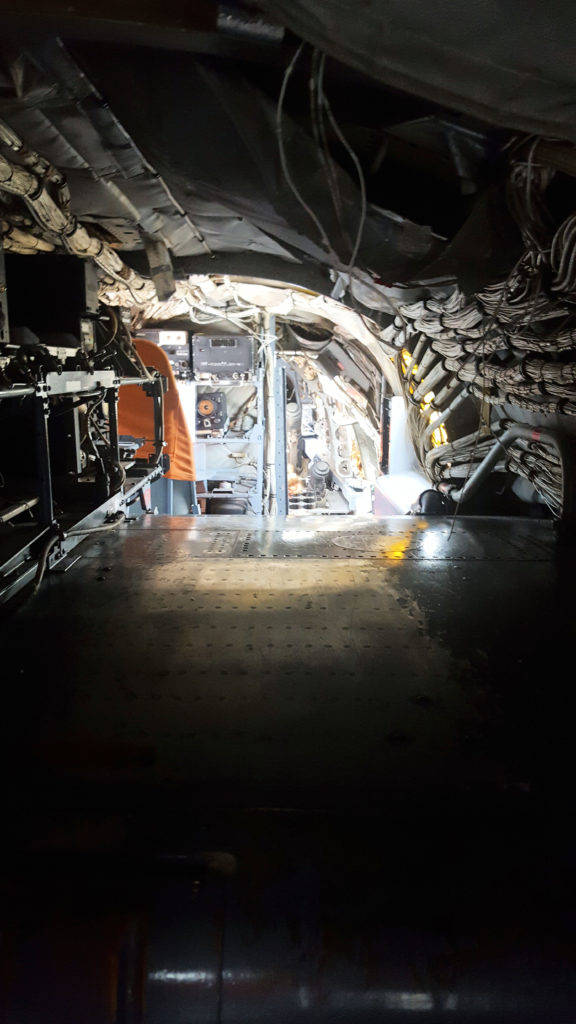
<point>44,189</point>
<point>471,367</point>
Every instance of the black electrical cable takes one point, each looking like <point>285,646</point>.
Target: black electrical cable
<point>43,562</point>
<point>78,404</point>
<point>31,589</point>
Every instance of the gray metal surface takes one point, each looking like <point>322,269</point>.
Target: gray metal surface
<point>292,770</point>
<point>280,437</point>
<point>4,328</point>
<point>291,663</point>
<point>214,468</point>
<point>394,539</point>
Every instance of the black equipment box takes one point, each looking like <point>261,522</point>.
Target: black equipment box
<point>176,345</point>
<point>223,356</point>
<point>211,412</point>
<point>54,296</point>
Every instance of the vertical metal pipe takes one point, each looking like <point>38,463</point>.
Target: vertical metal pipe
<point>384,427</point>
<point>156,390</point>
<point>269,347</point>
<point>45,504</point>
<point>4,329</point>
<point>281,466</point>
<point>194,506</point>
<point>112,400</point>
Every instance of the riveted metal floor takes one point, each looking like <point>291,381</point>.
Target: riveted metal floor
<point>291,663</point>
<point>308,770</point>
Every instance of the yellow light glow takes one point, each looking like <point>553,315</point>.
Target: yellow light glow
<point>427,401</point>
<point>395,546</point>
<point>439,436</point>
<point>406,359</point>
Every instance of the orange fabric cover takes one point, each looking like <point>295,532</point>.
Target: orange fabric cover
<point>136,415</point>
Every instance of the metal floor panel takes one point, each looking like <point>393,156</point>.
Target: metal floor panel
<point>399,537</point>
<point>292,771</point>
<point>290,663</point>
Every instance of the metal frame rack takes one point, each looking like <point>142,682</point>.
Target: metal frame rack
<point>254,440</point>
<point>267,437</point>
<point>23,546</point>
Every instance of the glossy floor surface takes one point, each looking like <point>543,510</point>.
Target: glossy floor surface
<point>292,664</point>
<point>354,733</point>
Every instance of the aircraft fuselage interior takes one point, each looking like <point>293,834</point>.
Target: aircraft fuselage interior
<point>287,512</point>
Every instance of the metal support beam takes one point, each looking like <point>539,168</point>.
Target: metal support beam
<point>564,446</point>
<point>17,392</point>
<point>384,427</point>
<point>269,351</point>
<point>4,329</point>
<point>194,506</point>
<point>16,510</point>
<point>116,474</point>
<point>112,401</point>
<point>45,504</point>
<point>281,469</point>
<point>155,390</point>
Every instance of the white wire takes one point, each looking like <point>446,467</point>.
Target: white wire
<point>282,152</point>
<point>361,181</point>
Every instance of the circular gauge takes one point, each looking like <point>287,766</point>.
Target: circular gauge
<point>205,407</point>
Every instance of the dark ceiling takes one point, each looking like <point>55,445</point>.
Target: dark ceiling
<point>170,111</point>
